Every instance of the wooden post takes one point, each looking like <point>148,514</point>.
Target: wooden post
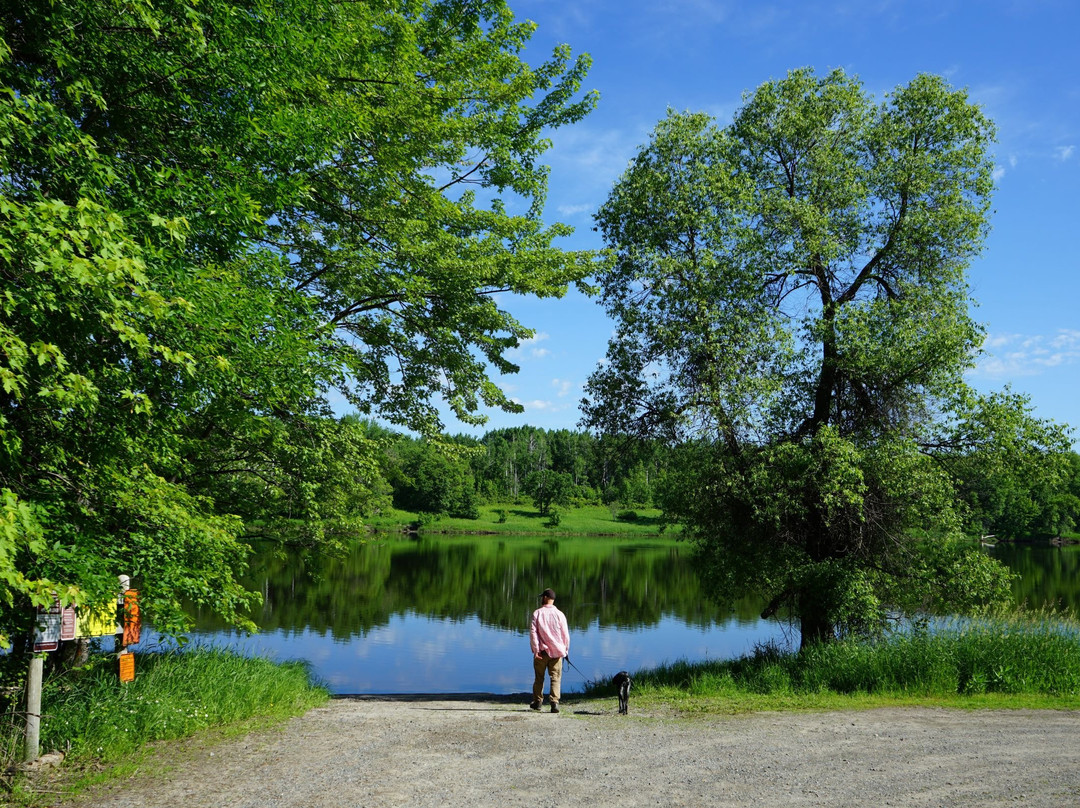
<point>33,709</point>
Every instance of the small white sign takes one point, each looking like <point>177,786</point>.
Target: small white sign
<point>47,628</point>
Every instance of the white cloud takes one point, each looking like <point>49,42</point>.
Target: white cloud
<point>1011,355</point>
<point>1064,152</point>
<point>545,405</point>
<point>1066,338</point>
<point>536,353</point>
<point>999,172</point>
<point>574,210</point>
<point>563,386</point>
<point>591,158</point>
<point>998,340</point>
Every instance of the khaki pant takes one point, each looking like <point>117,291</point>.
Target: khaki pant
<point>553,666</point>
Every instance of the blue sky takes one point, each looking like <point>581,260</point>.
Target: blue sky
<point>1018,60</point>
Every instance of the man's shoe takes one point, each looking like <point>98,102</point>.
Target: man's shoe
<point>554,708</point>
<point>535,706</point>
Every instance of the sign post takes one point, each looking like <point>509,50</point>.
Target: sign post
<point>128,627</point>
<point>33,709</point>
<point>55,624</point>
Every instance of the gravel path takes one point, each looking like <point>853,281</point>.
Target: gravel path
<point>493,751</point>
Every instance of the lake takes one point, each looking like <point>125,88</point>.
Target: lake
<point>449,614</point>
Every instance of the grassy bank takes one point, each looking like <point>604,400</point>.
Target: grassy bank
<point>97,720</point>
<point>507,518</point>
<point>1022,661</point>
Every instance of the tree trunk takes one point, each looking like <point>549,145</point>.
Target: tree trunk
<point>814,624</point>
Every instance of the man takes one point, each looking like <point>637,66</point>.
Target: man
<point>549,637</point>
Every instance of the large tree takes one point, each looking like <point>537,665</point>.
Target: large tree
<point>791,304</point>
<point>212,215</point>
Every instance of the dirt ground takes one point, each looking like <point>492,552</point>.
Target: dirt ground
<point>493,751</point>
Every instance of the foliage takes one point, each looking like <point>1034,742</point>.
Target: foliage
<point>792,308</point>
<point>1021,499</point>
<point>428,478</point>
<point>214,214</point>
<point>1019,655</point>
<point>548,488</point>
<point>96,717</point>
<point>594,464</point>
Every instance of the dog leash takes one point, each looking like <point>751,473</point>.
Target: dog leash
<point>575,667</point>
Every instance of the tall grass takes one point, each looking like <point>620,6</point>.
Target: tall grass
<point>1030,655</point>
<point>92,716</point>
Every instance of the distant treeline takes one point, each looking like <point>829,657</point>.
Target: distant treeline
<point>459,473</point>
<point>562,467</point>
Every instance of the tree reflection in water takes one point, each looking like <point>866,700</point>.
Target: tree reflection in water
<point>450,613</point>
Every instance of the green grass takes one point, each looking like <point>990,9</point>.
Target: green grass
<point>586,520</point>
<point>1023,661</point>
<point>98,720</point>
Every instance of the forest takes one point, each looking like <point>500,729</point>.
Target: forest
<point>457,474</point>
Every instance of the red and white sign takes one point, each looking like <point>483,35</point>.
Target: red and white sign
<point>69,624</point>
<point>54,625</point>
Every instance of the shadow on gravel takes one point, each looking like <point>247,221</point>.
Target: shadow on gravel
<point>479,702</point>
<point>484,698</point>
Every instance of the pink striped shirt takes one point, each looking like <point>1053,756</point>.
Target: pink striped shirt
<point>548,632</point>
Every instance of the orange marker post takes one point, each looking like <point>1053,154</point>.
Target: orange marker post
<point>127,667</point>
<point>132,620</point>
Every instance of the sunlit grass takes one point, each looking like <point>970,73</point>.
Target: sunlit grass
<point>91,715</point>
<point>1023,661</point>
<point>523,518</point>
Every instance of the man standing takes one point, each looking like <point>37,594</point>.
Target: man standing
<point>549,637</point>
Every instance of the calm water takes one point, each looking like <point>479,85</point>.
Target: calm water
<point>450,614</point>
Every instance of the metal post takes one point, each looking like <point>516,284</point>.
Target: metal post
<point>33,709</point>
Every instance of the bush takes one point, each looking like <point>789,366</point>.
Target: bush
<point>627,516</point>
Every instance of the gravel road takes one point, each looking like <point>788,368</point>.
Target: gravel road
<point>493,751</point>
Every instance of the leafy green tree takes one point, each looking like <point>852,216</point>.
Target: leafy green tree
<point>434,479</point>
<point>790,297</point>
<point>1061,513</point>
<point>547,488</point>
<point>635,491</point>
<point>212,215</point>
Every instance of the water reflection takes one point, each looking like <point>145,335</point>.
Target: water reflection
<point>1048,576</point>
<point>449,614</point>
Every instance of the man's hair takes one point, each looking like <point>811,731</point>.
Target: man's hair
<point>548,593</point>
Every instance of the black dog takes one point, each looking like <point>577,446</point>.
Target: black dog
<point>622,683</point>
